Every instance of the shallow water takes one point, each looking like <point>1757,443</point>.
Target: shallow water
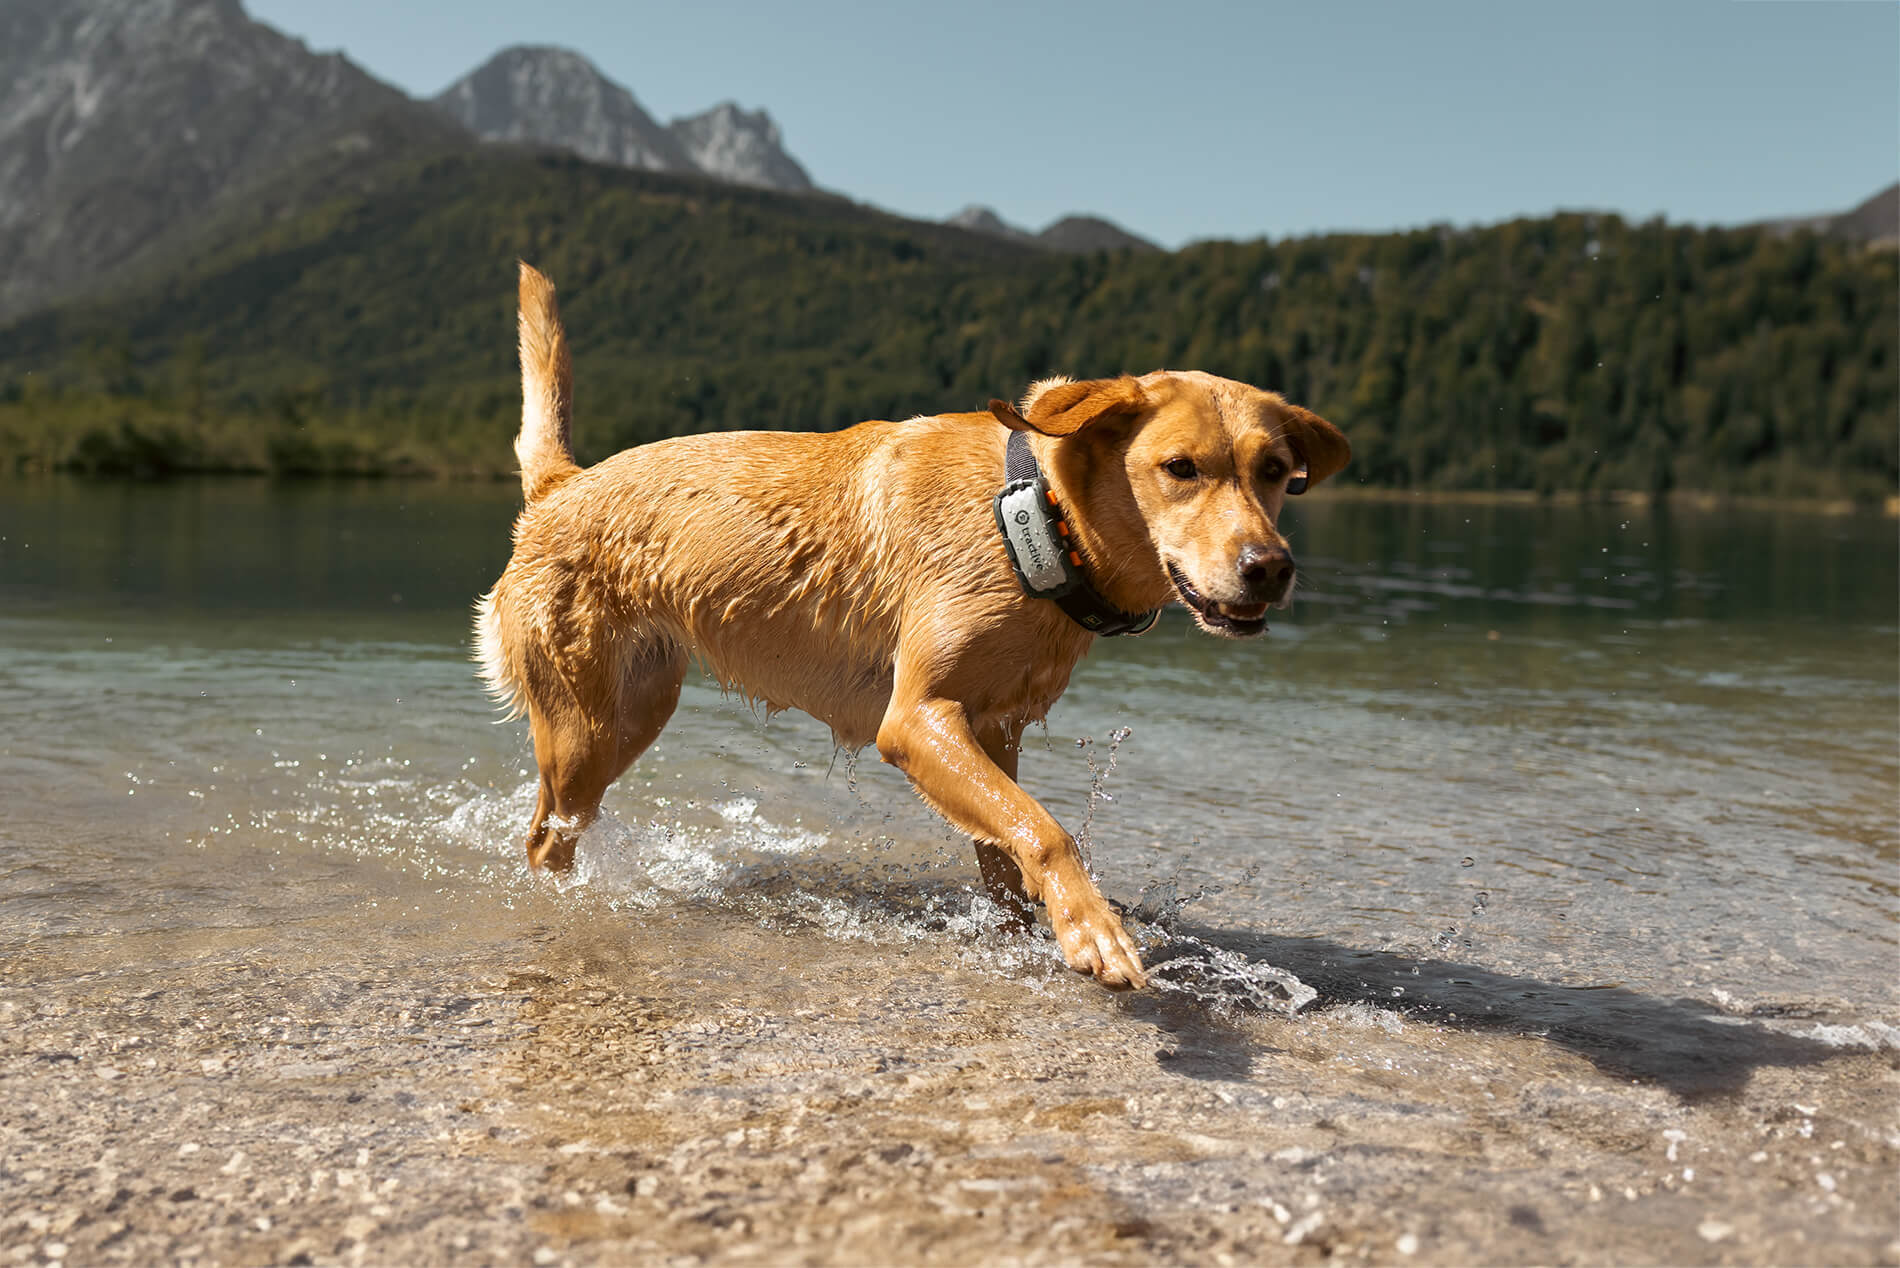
<point>1586,745</point>
<point>1549,764</point>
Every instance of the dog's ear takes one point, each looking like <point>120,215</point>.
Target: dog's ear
<point>1319,445</point>
<point>1062,407</point>
<point>1006,414</point>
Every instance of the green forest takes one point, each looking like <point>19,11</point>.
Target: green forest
<point>372,332</point>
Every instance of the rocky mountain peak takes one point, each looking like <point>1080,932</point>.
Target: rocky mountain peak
<point>554,96</point>
<point>119,118</point>
<point>741,146</point>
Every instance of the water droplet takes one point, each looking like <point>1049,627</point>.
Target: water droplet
<point>1466,861</point>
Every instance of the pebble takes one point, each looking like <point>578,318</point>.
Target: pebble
<point>1306,1226</point>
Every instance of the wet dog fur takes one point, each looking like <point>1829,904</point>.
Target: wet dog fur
<point>858,575</point>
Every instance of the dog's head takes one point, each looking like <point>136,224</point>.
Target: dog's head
<point>1179,478</point>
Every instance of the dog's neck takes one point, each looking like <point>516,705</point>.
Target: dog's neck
<point>1127,573</point>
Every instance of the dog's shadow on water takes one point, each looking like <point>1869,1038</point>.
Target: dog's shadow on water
<point>1685,1046</point>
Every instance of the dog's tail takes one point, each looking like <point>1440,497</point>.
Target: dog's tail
<point>547,390</point>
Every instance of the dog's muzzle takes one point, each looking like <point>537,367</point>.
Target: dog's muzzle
<point>1238,620</point>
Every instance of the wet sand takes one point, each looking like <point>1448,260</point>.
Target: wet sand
<point>552,1095</point>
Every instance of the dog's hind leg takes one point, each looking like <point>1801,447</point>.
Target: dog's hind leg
<point>581,753</point>
<point>1002,879</point>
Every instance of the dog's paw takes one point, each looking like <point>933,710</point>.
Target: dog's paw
<point>1093,940</point>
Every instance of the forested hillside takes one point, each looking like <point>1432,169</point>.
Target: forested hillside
<point>374,332</point>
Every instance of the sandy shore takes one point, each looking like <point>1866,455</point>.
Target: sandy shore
<point>301,1095</point>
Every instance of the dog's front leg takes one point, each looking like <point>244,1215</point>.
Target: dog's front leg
<point>930,739</point>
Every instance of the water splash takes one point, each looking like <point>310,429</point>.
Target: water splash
<point>1182,964</point>
<point>1098,787</point>
<point>1222,979</point>
<point>729,854</point>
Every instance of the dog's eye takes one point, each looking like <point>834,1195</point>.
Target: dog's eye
<point>1182,469</point>
<point>1272,470</point>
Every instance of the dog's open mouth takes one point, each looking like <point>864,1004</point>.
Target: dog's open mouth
<point>1240,620</point>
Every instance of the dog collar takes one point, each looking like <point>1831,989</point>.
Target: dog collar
<point>1046,563</point>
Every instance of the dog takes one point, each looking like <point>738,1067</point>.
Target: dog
<point>889,581</point>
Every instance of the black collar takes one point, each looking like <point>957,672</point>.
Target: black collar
<point>1079,600</point>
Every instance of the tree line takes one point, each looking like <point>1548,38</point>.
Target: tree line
<point>373,332</point>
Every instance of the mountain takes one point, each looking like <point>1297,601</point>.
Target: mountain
<point>742,146</point>
<point>135,132</point>
<point>980,219</point>
<point>1071,233</point>
<point>553,96</point>
<point>372,331</point>
<point>129,127</point>
<point>1875,222</point>
<point>122,119</point>
<point>1091,233</point>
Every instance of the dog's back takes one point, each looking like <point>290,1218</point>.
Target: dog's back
<point>744,549</point>
<point>781,560</point>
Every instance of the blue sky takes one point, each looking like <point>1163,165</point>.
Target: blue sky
<point>1194,120</point>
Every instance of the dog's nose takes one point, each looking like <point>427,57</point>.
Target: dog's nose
<point>1266,571</point>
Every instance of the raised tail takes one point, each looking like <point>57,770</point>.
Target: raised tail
<point>543,448</point>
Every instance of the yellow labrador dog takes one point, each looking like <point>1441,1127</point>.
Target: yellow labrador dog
<point>927,585</point>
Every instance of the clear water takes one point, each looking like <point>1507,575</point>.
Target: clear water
<point>1564,747</point>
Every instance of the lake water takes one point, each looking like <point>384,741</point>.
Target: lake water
<point>1590,745</point>
<point>1549,764</point>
